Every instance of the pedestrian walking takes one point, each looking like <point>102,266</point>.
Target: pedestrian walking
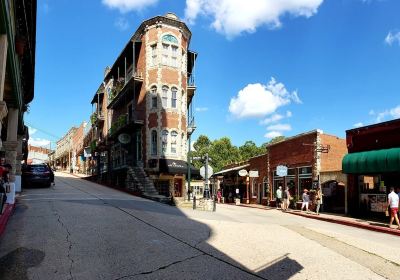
<point>393,200</point>
<point>279,197</point>
<point>219,195</point>
<point>318,197</point>
<point>286,199</point>
<point>306,200</point>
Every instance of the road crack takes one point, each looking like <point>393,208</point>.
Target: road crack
<point>67,238</point>
<point>160,268</point>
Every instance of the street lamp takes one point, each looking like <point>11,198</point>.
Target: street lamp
<point>190,129</point>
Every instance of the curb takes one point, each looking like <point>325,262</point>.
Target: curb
<point>9,209</point>
<point>350,223</point>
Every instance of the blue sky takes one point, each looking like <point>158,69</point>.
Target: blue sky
<point>265,67</point>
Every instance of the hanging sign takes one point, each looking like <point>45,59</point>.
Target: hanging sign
<point>124,138</point>
<point>242,172</point>
<point>253,173</point>
<point>281,170</point>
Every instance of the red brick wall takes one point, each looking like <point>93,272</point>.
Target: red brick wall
<point>292,152</point>
<point>152,120</point>
<point>169,119</point>
<point>169,76</point>
<point>332,161</point>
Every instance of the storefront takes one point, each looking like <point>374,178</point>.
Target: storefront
<point>312,159</point>
<point>373,166</point>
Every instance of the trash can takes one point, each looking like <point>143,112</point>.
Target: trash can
<point>237,201</point>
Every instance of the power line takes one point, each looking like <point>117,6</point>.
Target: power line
<point>42,130</point>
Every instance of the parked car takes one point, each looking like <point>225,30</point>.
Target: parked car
<point>37,174</point>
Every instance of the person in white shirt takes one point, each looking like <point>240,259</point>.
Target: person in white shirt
<point>393,200</point>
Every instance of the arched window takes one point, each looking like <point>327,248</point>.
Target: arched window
<point>174,136</point>
<point>169,39</point>
<point>164,96</point>
<point>154,143</point>
<point>153,92</point>
<point>164,142</point>
<point>170,50</point>
<point>173,97</point>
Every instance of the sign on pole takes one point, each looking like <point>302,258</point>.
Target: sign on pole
<point>253,173</point>
<point>210,171</point>
<point>281,170</point>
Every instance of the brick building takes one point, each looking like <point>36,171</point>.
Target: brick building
<point>38,154</point>
<point>373,166</point>
<point>311,157</point>
<point>142,107</point>
<point>77,148</point>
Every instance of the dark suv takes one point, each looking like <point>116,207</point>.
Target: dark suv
<point>36,174</point>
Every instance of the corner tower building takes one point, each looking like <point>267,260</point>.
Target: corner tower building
<point>142,109</point>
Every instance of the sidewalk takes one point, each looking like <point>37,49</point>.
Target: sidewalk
<point>7,212</point>
<point>336,218</point>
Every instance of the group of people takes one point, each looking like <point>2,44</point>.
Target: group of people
<point>283,198</point>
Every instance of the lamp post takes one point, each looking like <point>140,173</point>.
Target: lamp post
<point>190,129</point>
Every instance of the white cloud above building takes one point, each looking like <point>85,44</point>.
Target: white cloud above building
<point>125,6</point>
<point>393,113</point>
<point>39,142</point>
<point>258,100</point>
<point>233,17</point>
<point>359,124</point>
<point>272,134</point>
<point>279,127</point>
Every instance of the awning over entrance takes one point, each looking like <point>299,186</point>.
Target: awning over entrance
<point>379,161</point>
<point>236,168</point>
<point>173,166</point>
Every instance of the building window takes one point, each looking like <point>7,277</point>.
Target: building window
<point>164,96</point>
<point>174,136</point>
<point>182,144</point>
<point>154,143</point>
<point>165,54</point>
<point>173,97</point>
<point>169,38</point>
<point>170,51</point>
<point>164,141</point>
<point>174,56</point>
<point>153,92</point>
<point>153,55</point>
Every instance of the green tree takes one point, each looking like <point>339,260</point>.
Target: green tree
<point>276,139</point>
<point>222,153</point>
<point>201,146</point>
<point>249,149</point>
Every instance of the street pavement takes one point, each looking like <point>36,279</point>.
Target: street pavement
<point>81,230</point>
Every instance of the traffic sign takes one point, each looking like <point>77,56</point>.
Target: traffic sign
<point>210,171</point>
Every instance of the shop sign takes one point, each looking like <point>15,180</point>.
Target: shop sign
<point>242,172</point>
<point>124,138</point>
<point>253,173</point>
<point>281,170</point>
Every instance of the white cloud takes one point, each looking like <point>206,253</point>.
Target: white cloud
<point>392,38</point>
<point>31,130</point>
<point>273,134</point>
<point>280,127</point>
<point>393,113</point>
<point>289,114</point>
<point>201,109</point>
<point>258,100</point>
<point>39,142</point>
<point>125,6</point>
<point>272,119</point>
<point>359,124</point>
<point>233,17</point>
<point>121,23</point>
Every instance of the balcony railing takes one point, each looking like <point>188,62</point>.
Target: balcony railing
<point>118,124</point>
<point>138,74</point>
<point>190,81</point>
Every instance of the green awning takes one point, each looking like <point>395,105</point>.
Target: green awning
<point>379,161</point>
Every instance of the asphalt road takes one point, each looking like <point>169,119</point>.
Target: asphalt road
<point>81,230</point>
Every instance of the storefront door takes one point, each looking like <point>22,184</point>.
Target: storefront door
<point>177,187</point>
